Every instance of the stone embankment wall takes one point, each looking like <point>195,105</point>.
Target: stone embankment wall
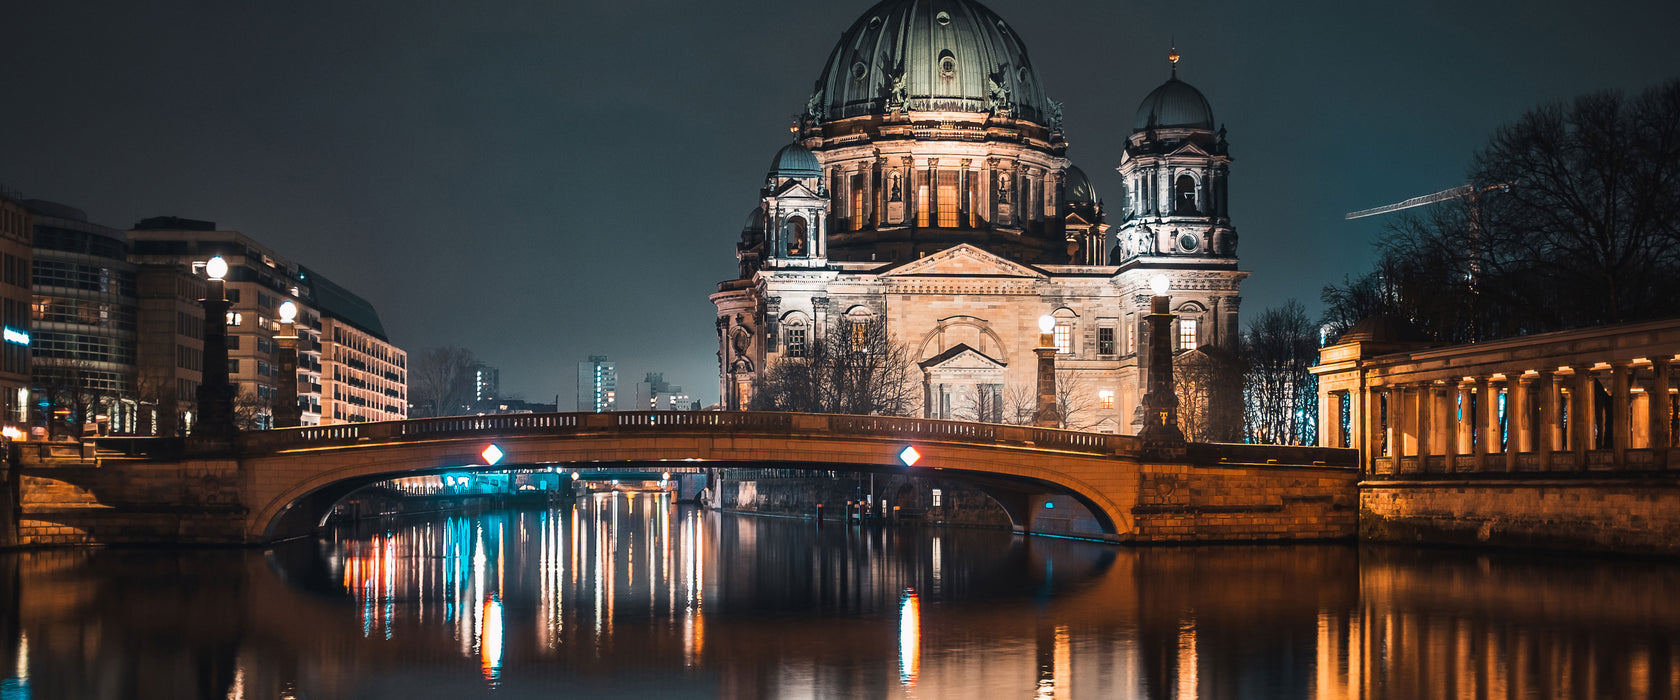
<point>1220,502</point>
<point>1629,516</point>
<point>74,501</point>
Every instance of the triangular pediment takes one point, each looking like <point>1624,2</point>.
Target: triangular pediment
<point>961,357</point>
<point>1189,149</point>
<point>964,261</point>
<point>794,189</point>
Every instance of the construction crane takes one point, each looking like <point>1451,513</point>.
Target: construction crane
<point>1461,191</point>
<point>1470,191</point>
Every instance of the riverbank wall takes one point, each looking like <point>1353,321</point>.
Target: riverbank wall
<point>1638,515</point>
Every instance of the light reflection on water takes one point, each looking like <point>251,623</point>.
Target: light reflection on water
<point>631,596</point>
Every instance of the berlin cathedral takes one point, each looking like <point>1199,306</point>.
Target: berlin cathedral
<point>928,188</point>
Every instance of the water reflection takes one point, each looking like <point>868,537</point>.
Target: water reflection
<point>630,596</point>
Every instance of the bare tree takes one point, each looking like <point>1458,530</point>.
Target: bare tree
<point>1281,397</point>
<point>441,381</point>
<point>251,412</point>
<point>1076,405</point>
<point>854,368</point>
<point>1579,226</point>
<point>1209,384</point>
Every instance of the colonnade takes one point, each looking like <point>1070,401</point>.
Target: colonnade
<point>1538,420</point>
<point>1594,399</point>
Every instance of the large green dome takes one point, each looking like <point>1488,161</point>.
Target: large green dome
<point>953,55</point>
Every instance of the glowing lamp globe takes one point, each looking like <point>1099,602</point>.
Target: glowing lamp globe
<point>1046,323</point>
<point>1159,285</point>
<point>216,268</point>
<point>288,311</point>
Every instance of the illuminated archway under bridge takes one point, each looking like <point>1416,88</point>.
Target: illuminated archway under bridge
<point>288,478</point>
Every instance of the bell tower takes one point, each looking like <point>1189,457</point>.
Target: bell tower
<point>795,204</point>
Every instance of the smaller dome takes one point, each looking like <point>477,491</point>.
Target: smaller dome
<point>1078,188</point>
<point>1174,105</point>
<point>755,220</point>
<point>795,160</point>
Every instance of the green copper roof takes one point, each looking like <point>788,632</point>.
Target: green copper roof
<point>954,55</point>
<point>795,160</point>
<point>337,302</point>
<point>1174,105</point>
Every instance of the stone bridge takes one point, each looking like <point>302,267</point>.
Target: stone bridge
<point>278,484</point>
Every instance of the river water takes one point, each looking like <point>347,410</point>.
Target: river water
<point>628,595</point>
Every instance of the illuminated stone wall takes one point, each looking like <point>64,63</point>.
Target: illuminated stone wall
<point>1634,517</point>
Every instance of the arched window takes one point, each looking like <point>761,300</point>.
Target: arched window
<point>1185,195</point>
<point>796,330</point>
<point>793,231</point>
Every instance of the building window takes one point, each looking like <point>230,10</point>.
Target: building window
<point>947,203</point>
<point>1064,339</point>
<point>921,206</point>
<point>938,498</point>
<point>796,341</point>
<point>1187,334</point>
<point>860,335</point>
<point>1105,341</point>
<point>1106,398</point>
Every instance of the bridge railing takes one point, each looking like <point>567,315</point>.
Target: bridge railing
<point>631,422</point>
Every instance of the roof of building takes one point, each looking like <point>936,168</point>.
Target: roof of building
<point>173,223</point>
<point>1383,328</point>
<point>954,55</point>
<point>795,160</point>
<point>337,302</point>
<point>956,350</point>
<point>1078,187</point>
<point>755,220</point>
<point>1174,105</point>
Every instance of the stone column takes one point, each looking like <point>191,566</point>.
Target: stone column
<point>1545,434</point>
<point>934,205</point>
<point>1580,416</point>
<point>1662,413</point>
<point>1447,429</point>
<point>1492,430</point>
<point>1425,399</point>
<point>1481,433</point>
<point>1464,422</point>
<point>1620,424</point>
<point>1521,414</point>
<point>1376,433</point>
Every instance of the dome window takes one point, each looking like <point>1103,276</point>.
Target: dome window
<point>943,18</point>
<point>947,64</point>
<point>1022,74</point>
<point>1187,242</point>
<point>1185,201</point>
<point>874,22</point>
<point>859,70</point>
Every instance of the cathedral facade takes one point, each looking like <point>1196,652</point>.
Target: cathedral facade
<point>928,189</point>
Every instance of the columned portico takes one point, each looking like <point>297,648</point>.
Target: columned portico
<point>1599,399</point>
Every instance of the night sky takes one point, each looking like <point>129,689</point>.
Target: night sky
<point>540,182</point>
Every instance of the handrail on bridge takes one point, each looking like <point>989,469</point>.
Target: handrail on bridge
<point>685,421</point>
<point>753,422</point>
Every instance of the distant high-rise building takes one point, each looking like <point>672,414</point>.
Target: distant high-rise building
<point>597,385</point>
<point>82,335</point>
<point>487,382</point>
<point>656,394</point>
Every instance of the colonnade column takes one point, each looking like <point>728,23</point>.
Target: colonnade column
<point>1580,416</point>
<point>1520,403</point>
<point>1465,432</point>
<point>1447,430</point>
<point>1516,421</point>
<point>1425,398</point>
<point>1376,433</point>
<point>1491,430</point>
<point>1545,436</point>
<point>1620,427</point>
<point>1662,408</point>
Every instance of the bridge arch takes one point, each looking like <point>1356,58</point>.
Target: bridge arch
<point>294,476</point>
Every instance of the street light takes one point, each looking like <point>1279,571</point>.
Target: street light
<point>215,428</point>
<point>288,414</point>
<point>1047,416</point>
<point>1160,402</point>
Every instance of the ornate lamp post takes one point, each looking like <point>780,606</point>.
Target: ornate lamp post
<point>287,412</point>
<point>1047,415</point>
<point>1160,402</point>
<point>215,393</point>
